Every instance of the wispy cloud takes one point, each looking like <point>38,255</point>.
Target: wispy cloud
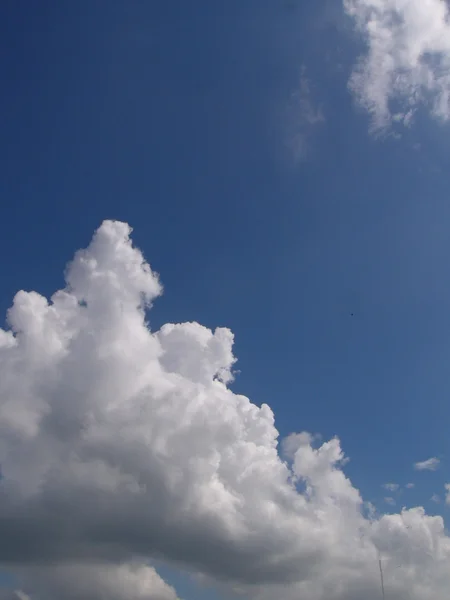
<point>407,62</point>
<point>410,486</point>
<point>432,464</point>
<point>447,493</point>
<point>304,114</point>
<point>389,500</point>
<point>435,498</point>
<point>391,487</point>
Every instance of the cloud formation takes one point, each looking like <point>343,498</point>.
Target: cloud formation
<point>431,464</point>
<point>94,580</point>
<point>303,116</point>
<point>120,445</point>
<point>447,493</point>
<point>407,61</point>
<point>391,487</point>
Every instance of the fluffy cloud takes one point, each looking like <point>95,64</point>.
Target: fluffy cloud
<point>120,445</point>
<point>407,62</point>
<point>431,464</point>
<point>94,580</point>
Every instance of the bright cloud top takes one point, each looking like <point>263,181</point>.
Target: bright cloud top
<point>431,464</point>
<point>95,580</point>
<point>119,445</point>
<point>407,61</point>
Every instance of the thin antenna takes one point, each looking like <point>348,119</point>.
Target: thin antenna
<point>381,577</point>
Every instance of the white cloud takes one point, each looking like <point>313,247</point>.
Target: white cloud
<point>95,580</point>
<point>407,62</point>
<point>410,486</point>
<point>435,498</point>
<point>447,493</point>
<point>431,464</point>
<point>119,445</point>
<point>303,115</point>
<point>391,487</point>
<point>389,500</point>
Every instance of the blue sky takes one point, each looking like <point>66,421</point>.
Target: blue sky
<point>322,246</point>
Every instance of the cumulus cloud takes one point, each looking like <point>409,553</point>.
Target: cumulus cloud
<point>119,445</point>
<point>431,464</point>
<point>94,580</point>
<point>407,61</point>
